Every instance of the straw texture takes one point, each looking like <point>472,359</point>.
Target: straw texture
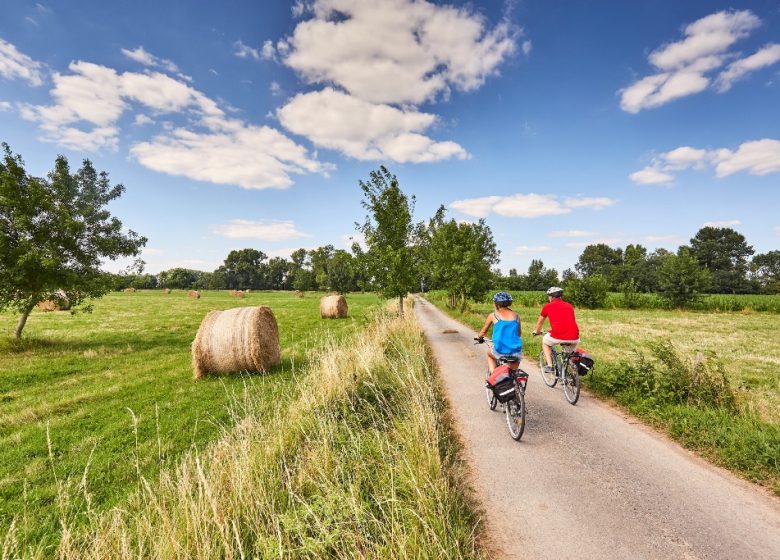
<point>193,294</point>
<point>333,307</point>
<point>234,340</point>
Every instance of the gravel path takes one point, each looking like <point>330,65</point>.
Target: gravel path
<point>588,482</point>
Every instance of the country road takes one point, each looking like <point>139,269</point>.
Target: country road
<point>586,481</point>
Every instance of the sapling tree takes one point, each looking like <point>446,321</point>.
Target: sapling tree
<point>55,232</point>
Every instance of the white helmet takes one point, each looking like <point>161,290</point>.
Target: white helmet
<point>555,291</point>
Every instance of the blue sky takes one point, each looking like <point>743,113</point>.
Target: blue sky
<point>248,124</point>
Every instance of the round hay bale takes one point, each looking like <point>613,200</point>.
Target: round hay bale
<point>166,290</point>
<point>194,294</point>
<point>298,293</point>
<point>238,339</point>
<point>129,290</point>
<point>333,307</point>
<point>237,293</point>
<point>59,302</point>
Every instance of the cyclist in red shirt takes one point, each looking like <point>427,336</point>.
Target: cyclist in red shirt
<point>563,325</point>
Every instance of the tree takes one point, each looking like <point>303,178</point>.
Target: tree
<point>765,269</point>
<point>341,276</point>
<point>388,231</point>
<point>724,253</point>
<point>278,274</point>
<point>320,260</point>
<point>599,259</point>
<point>179,278</point>
<point>460,257</point>
<point>55,233</point>
<point>588,291</point>
<point>540,278</point>
<point>245,269</point>
<point>681,278</point>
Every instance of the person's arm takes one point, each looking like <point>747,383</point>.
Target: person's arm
<point>488,322</point>
<point>539,323</point>
<point>519,327</point>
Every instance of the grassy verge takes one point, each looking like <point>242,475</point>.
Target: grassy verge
<point>111,394</point>
<point>358,464</point>
<point>708,388</point>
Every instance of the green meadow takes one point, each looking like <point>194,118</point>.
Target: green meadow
<point>92,403</point>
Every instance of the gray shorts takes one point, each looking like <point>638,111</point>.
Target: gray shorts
<point>496,355</point>
<point>567,345</point>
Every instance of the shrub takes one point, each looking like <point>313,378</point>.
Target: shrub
<point>589,292</point>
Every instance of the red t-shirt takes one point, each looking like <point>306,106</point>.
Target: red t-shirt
<point>563,326</point>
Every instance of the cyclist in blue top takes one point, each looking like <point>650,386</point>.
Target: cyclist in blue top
<point>506,330</point>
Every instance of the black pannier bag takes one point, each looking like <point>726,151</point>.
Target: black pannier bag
<point>583,360</point>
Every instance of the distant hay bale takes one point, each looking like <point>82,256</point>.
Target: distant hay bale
<point>237,293</point>
<point>298,293</point>
<point>59,302</point>
<point>129,290</point>
<point>248,291</point>
<point>333,307</point>
<point>166,290</point>
<point>194,294</point>
<point>238,339</point>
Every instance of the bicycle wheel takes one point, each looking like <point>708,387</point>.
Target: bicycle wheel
<point>550,379</point>
<point>515,415</point>
<point>491,396</point>
<point>571,382</point>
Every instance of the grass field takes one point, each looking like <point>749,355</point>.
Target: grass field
<point>747,344</point>
<point>111,394</point>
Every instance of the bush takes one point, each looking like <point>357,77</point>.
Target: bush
<point>589,292</point>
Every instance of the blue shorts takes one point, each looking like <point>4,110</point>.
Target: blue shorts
<point>517,355</point>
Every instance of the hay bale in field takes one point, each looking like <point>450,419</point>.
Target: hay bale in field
<point>237,293</point>
<point>298,293</point>
<point>194,294</point>
<point>238,339</point>
<point>59,302</point>
<point>129,290</point>
<point>333,307</point>
<point>166,290</point>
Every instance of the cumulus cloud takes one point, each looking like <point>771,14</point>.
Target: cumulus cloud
<point>530,205</point>
<point>722,223</point>
<point>142,119</point>
<point>664,238</point>
<point>364,130</point>
<point>265,230</point>
<point>5,106</point>
<point>245,51</point>
<point>15,64</point>
<point>526,250</point>
<point>570,233</point>
<point>758,157</point>
<point>396,51</point>
<point>146,58</point>
<point>683,66</point>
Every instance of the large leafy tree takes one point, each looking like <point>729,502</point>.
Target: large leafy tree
<point>55,233</point>
<point>681,278</point>
<point>388,230</point>
<point>245,269</point>
<point>539,277</point>
<point>460,257</point>
<point>603,260</point>
<point>766,271</point>
<point>725,253</point>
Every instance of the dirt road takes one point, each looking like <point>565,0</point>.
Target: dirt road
<point>587,482</point>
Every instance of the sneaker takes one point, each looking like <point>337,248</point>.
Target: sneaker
<point>549,369</point>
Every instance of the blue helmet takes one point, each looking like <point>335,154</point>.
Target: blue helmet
<point>502,297</point>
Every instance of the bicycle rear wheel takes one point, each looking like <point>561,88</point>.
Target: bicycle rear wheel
<point>515,415</point>
<point>571,382</point>
<point>550,379</point>
<point>490,395</point>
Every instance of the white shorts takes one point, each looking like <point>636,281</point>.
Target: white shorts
<point>567,345</point>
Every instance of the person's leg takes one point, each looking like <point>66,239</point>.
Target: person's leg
<point>547,343</point>
<point>491,361</point>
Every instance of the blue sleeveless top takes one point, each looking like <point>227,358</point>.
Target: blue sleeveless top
<point>506,339</point>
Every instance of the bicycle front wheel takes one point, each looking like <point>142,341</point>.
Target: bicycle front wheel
<point>550,379</point>
<point>571,382</point>
<point>515,415</point>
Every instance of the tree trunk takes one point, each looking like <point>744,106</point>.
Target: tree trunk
<point>22,322</point>
<point>401,305</point>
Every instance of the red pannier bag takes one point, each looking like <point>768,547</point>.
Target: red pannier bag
<point>502,383</point>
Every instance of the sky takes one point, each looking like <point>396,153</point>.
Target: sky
<point>241,124</point>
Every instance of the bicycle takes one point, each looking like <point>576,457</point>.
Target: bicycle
<point>510,392</point>
<point>564,370</point>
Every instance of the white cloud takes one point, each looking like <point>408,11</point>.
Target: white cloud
<point>356,237</point>
<point>146,58</point>
<point>757,157</point>
<point>14,64</point>
<point>141,120</point>
<point>268,52</point>
<point>683,64</point>
<point>299,7</point>
<point>396,51</point>
<point>530,205</point>
<point>570,233</point>
<point>364,130</point>
<point>722,223</point>
<point>265,230</point>
<point>251,157</point>
<point>664,238</point>
<point>527,46</point>
<point>738,69</point>
<point>777,230</point>
<point>5,106</point>
<point>526,250</point>
<point>245,51</point>
<point>152,252</point>
<point>651,176</point>
<point>275,88</point>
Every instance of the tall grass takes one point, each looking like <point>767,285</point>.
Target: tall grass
<point>361,464</point>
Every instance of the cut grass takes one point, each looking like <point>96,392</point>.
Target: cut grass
<point>114,391</point>
<point>357,463</point>
<point>746,441</point>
